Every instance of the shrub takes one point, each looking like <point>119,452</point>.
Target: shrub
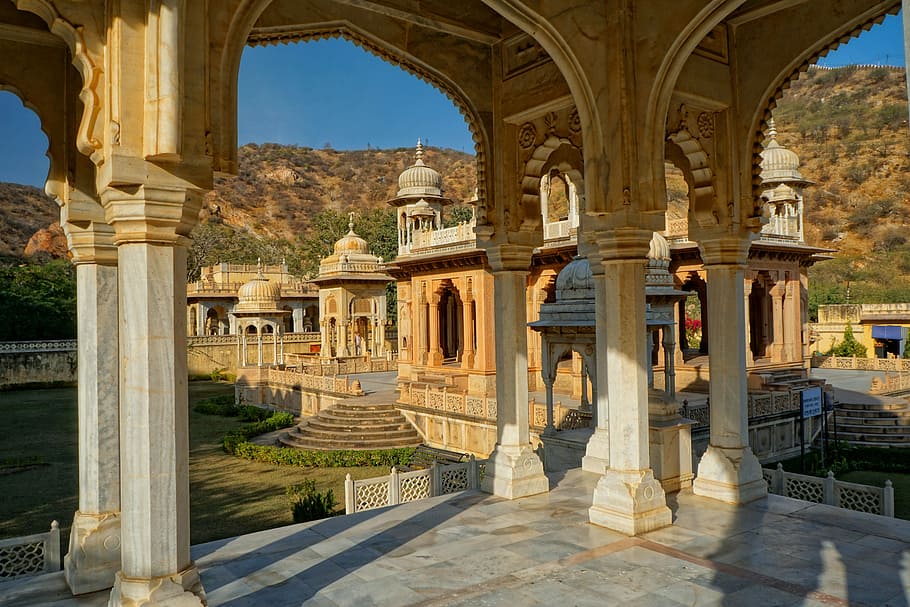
<point>286,456</point>
<point>848,346</point>
<point>308,504</point>
<point>239,436</point>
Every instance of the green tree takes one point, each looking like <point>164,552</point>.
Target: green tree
<point>848,346</point>
<point>37,300</point>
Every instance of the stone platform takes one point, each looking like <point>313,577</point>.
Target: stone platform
<point>475,549</point>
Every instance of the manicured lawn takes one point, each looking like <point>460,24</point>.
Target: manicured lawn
<point>900,482</point>
<point>228,496</point>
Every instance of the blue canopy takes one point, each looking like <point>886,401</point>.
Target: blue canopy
<point>887,332</point>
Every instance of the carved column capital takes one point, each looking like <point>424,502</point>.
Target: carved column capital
<point>630,243</point>
<point>151,213</point>
<point>510,257</point>
<point>90,239</point>
<point>726,251</point>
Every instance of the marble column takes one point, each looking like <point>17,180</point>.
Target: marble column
<point>201,318</point>
<point>791,322</point>
<point>669,349</point>
<point>151,224</point>
<point>777,316</point>
<point>93,558</point>
<point>747,291</point>
<point>548,372</point>
<point>728,471</point>
<point>421,337</point>
<point>435,350</point>
<point>627,498</point>
<point>597,451</point>
<point>341,347</point>
<point>467,360</point>
<point>513,470</point>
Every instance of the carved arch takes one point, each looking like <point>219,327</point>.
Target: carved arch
<point>54,185</point>
<point>687,154</point>
<point>87,141</point>
<point>792,72</point>
<point>554,152</point>
<point>239,35</point>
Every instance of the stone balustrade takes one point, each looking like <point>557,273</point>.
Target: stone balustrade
<point>20,347</point>
<point>860,363</point>
<point>402,487</point>
<point>557,230</point>
<point>348,366</point>
<point>31,554</point>
<point>448,400</point>
<point>893,383</point>
<point>761,404</point>
<point>830,491</point>
<point>337,385</point>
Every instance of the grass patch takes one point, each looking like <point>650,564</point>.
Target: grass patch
<point>228,496</point>
<point>900,482</point>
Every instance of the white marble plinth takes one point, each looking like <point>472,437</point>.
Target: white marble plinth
<point>631,502</point>
<point>183,589</point>
<point>514,472</point>
<point>597,452</point>
<point>730,475</point>
<point>93,558</point>
<point>670,448</point>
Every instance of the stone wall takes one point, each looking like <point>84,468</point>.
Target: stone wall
<point>37,364</point>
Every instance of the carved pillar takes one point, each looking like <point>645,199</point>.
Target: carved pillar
<point>728,470</point>
<point>93,558</point>
<point>514,470</point>
<point>791,322</point>
<point>421,352</point>
<point>627,498</point>
<point>434,356</point>
<point>151,224</point>
<point>597,451</point>
<point>201,317</point>
<point>467,360</point>
<point>777,317</point>
<point>747,291</point>
<point>548,364</point>
<point>669,348</point>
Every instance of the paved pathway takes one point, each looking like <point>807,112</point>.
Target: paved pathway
<point>472,549</point>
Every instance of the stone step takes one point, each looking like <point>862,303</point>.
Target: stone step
<point>320,444</point>
<point>360,407</point>
<point>356,433</point>
<point>873,429</point>
<point>905,414</point>
<point>859,443</point>
<point>872,406</point>
<point>871,437</point>
<point>873,421</point>
<point>375,426</point>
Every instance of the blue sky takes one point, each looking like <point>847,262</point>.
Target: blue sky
<point>331,92</point>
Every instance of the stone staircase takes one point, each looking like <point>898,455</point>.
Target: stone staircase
<point>353,425</point>
<point>875,424</point>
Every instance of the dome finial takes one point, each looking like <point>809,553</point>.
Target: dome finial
<point>259,267</point>
<point>772,130</point>
<point>351,222</point>
<point>419,153</point>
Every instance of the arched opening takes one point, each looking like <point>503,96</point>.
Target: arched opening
<point>451,330</point>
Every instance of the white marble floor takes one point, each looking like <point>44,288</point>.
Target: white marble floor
<point>474,549</point>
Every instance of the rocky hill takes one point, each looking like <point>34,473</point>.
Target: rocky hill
<point>848,125</point>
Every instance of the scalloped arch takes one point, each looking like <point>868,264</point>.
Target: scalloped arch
<point>687,153</point>
<point>53,186</point>
<point>243,23</point>
<point>74,38</point>
<point>555,152</point>
<point>777,89</point>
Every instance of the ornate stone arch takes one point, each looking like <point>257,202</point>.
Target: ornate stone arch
<point>56,171</point>
<point>239,35</point>
<point>687,154</point>
<point>87,140</point>
<point>554,152</point>
<point>792,71</point>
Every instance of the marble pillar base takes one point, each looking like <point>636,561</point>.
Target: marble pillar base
<point>94,552</point>
<point>630,501</point>
<point>514,472</point>
<point>730,475</point>
<point>183,589</point>
<point>597,452</point>
<point>670,444</point>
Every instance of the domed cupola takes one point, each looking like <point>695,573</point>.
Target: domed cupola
<point>658,273</point>
<point>351,243</point>
<point>258,294</point>
<point>575,281</point>
<point>778,164</point>
<point>419,179</point>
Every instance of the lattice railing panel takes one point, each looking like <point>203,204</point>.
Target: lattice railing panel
<point>808,489</point>
<point>415,485</point>
<point>368,495</point>
<point>454,479</point>
<point>24,559</point>
<point>768,475</point>
<point>858,497</point>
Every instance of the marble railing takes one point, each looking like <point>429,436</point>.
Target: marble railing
<point>344,267</point>
<point>402,487</point>
<point>288,338</point>
<point>59,345</point>
<point>446,400</point>
<point>557,230</point>
<point>349,365</point>
<point>894,382</point>
<point>760,405</point>
<point>830,491</point>
<point>31,554</point>
<point>860,363</point>
<point>230,288</point>
<point>338,385</point>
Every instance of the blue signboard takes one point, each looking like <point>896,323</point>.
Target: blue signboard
<point>811,401</point>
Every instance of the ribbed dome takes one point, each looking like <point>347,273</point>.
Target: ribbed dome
<point>778,164</point>
<point>575,281</point>
<point>660,248</point>
<point>258,294</point>
<point>419,179</point>
<point>351,243</point>
<point>422,209</point>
